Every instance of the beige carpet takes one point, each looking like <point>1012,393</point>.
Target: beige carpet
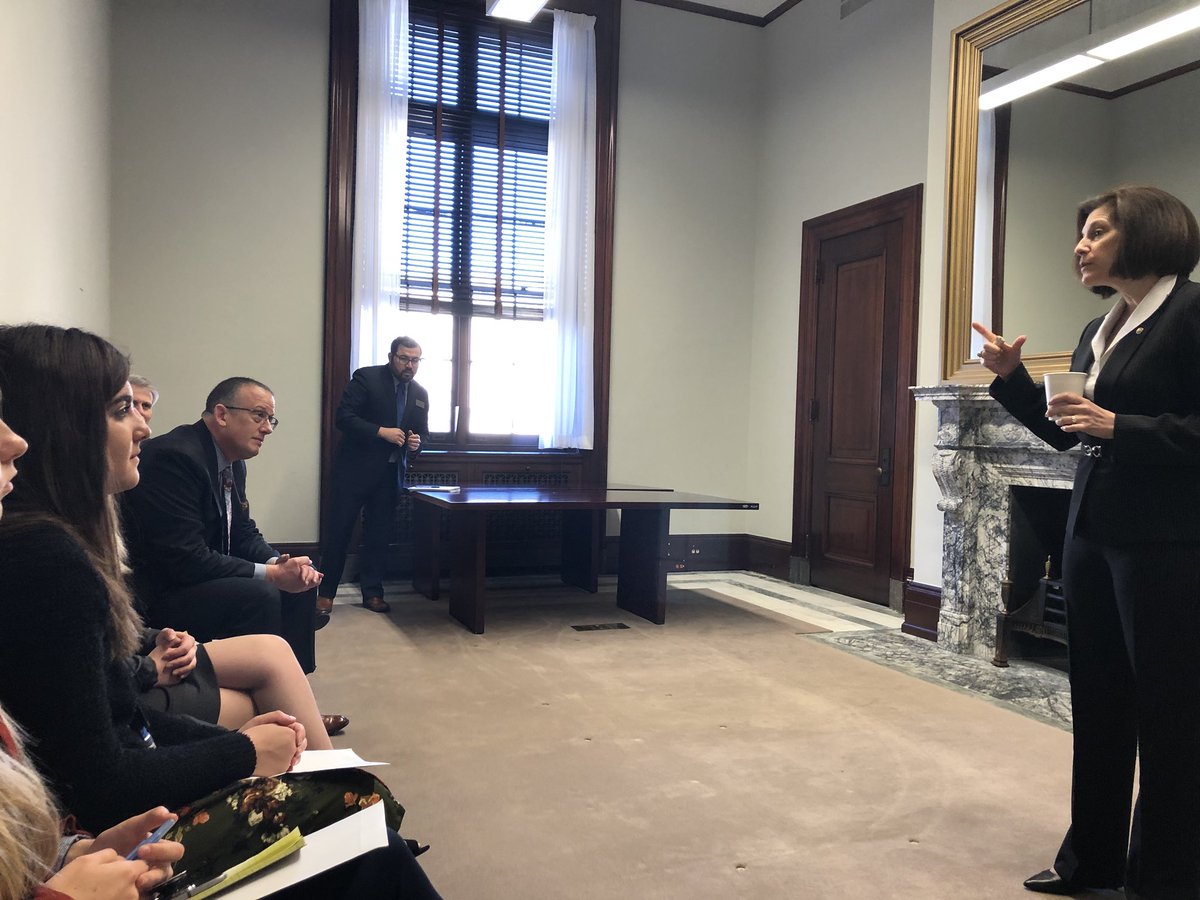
<point>723,755</point>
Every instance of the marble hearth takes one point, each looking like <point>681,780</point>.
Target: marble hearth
<point>981,454</point>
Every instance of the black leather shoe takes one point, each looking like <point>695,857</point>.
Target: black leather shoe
<point>1050,882</point>
<point>334,724</point>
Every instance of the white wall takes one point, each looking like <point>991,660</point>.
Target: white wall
<point>218,218</point>
<point>218,152</point>
<point>688,128</point>
<point>845,121</point>
<point>54,155</point>
<point>1059,154</point>
<point>1156,132</point>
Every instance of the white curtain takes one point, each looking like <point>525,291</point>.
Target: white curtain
<point>379,176</point>
<point>985,205</point>
<point>570,231</point>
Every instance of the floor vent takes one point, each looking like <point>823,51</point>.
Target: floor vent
<point>602,626</point>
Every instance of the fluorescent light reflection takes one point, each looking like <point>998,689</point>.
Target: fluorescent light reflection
<point>1181,23</point>
<point>1140,39</point>
<point>1037,80</point>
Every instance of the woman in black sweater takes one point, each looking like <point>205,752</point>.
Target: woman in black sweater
<point>68,625</point>
<point>67,622</point>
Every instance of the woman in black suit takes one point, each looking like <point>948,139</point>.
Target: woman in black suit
<point>1131,561</point>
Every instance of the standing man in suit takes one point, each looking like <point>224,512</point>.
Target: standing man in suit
<point>200,563</point>
<point>383,417</point>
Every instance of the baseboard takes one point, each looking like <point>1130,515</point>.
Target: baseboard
<point>922,605</point>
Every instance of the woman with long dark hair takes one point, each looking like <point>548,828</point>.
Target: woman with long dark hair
<point>35,860</point>
<point>68,628</point>
<point>67,620</point>
<point>1131,560</point>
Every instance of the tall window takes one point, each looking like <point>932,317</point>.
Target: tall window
<point>466,277</point>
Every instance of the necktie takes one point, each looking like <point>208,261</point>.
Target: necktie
<point>402,454</point>
<point>227,490</point>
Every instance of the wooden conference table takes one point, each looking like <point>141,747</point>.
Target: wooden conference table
<point>645,527</point>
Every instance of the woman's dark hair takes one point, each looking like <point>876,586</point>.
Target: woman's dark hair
<point>1158,233</point>
<point>57,384</point>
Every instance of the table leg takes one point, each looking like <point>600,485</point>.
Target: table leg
<point>468,558</point>
<point>582,534</point>
<point>641,572</point>
<point>427,543</point>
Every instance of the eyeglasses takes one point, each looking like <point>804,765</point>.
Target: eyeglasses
<point>406,360</point>
<point>256,414</point>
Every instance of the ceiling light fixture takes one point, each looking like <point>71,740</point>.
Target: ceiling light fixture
<point>1035,81</point>
<point>1011,84</point>
<point>518,10</point>
<point>1180,23</point>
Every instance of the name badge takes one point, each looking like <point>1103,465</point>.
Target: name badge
<point>419,403</point>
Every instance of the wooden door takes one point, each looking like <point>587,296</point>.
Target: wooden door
<point>854,440</point>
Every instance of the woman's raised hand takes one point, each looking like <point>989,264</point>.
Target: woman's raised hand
<point>997,354</point>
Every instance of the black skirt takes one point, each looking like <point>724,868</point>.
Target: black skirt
<point>197,696</point>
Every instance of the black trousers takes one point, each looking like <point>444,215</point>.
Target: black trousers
<point>227,607</point>
<point>1133,631</point>
<point>376,500</point>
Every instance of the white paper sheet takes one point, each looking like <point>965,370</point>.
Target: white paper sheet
<point>342,841</point>
<point>324,760</point>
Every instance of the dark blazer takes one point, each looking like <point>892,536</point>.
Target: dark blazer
<point>1145,484</point>
<point>369,403</point>
<point>176,515</point>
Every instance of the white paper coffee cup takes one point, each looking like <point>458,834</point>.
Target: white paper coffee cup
<point>1063,383</point>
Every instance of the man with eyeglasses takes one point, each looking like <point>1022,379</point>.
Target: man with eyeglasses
<point>200,563</point>
<point>383,417</point>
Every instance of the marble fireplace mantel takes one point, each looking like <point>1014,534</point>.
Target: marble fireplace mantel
<point>981,453</point>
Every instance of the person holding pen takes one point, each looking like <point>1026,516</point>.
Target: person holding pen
<point>63,584</point>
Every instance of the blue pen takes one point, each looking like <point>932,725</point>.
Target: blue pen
<point>155,835</point>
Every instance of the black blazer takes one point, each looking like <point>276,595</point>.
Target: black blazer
<point>176,515</point>
<point>1145,484</point>
<point>368,404</point>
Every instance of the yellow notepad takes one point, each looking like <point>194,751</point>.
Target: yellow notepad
<point>282,848</point>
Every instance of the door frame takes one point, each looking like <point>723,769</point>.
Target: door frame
<point>904,206</point>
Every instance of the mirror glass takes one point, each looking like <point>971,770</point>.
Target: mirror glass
<point>1033,160</point>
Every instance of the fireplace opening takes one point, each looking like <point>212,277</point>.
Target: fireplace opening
<point>1032,621</point>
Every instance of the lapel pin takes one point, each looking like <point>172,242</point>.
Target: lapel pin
<point>1139,330</point>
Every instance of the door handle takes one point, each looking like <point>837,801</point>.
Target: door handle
<point>884,470</point>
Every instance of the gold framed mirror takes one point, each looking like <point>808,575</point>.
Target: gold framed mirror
<point>967,44</point>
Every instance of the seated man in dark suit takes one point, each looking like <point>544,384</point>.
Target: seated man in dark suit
<point>200,563</point>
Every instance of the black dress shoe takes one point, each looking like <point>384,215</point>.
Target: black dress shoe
<point>1050,882</point>
<point>334,724</point>
<point>324,611</point>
